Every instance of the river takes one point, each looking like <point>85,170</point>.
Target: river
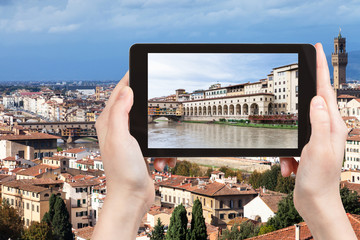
<point>165,134</point>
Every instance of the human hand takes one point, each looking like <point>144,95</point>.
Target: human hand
<point>316,193</point>
<point>127,178</point>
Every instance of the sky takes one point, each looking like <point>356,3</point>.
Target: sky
<point>90,39</point>
<point>171,71</point>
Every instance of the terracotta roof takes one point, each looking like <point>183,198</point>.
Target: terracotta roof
<point>346,96</point>
<point>272,201</point>
<point>220,189</point>
<point>173,181</point>
<point>216,172</point>
<point>305,234</point>
<point>351,186</point>
<point>155,210</point>
<point>74,150</point>
<point>86,162</point>
<point>23,185</point>
<point>37,170</point>
<point>32,136</point>
<point>85,232</point>
<point>353,138</point>
<point>84,183</point>
<point>16,170</point>
<point>55,158</point>
<point>349,118</point>
<point>9,159</point>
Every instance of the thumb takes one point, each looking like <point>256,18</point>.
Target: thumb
<point>119,113</point>
<point>320,121</point>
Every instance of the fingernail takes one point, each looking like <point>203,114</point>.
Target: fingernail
<point>318,102</point>
<point>123,91</point>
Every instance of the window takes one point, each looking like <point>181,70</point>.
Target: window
<point>79,202</point>
<point>221,204</point>
<point>240,203</point>
<point>79,225</point>
<point>84,201</point>
<point>222,216</point>
<point>27,206</point>
<point>32,207</point>
<point>231,204</point>
<point>165,198</point>
<point>37,208</point>
<point>204,202</point>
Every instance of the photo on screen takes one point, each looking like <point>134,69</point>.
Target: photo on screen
<point>216,100</point>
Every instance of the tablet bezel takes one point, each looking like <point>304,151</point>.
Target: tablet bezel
<point>138,73</point>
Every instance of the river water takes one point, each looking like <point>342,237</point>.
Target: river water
<point>198,135</point>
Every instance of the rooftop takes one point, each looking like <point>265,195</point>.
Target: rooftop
<point>32,136</point>
<point>37,170</point>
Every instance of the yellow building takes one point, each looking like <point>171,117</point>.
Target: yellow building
<point>30,197</point>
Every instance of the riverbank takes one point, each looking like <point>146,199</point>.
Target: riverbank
<point>255,125</point>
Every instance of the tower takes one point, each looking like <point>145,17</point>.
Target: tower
<point>339,59</point>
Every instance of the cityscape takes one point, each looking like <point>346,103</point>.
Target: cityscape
<point>265,108</point>
<point>49,150</point>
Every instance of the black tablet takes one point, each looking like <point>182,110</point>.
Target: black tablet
<point>193,100</point>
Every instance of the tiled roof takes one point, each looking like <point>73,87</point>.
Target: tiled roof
<point>9,159</point>
<point>74,150</point>
<point>305,234</point>
<point>23,185</point>
<point>354,138</point>
<point>16,170</point>
<point>54,158</point>
<point>346,96</point>
<point>173,181</point>
<point>84,183</point>
<point>32,136</point>
<point>155,210</point>
<point>351,186</point>
<point>85,232</point>
<point>35,171</point>
<point>220,189</point>
<point>272,201</point>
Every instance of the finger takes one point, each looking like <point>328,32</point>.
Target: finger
<point>159,164</point>
<point>324,88</point>
<point>114,95</point>
<point>118,116</point>
<point>286,166</point>
<point>320,122</point>
<point>171,162</point>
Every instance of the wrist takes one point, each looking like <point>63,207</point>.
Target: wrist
<point>327,219</point>
<point>120,215</point>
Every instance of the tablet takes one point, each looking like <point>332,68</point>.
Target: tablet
<point>202,100</point>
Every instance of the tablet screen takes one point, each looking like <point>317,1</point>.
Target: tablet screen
<point>218,100</point>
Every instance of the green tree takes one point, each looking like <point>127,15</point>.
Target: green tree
<point>266,229</point>
<point>228,171</point>
<point>59,149</point>
<point>11,225</point>
<point>285,184</point>
<point>46,219</point>
<point>350,200</point>
<point>38,231</point>
<point>195,170</point>
<point>208,172</point>
<point>52,201</point>
<point>255,179</point>
<point>198,226</point>
<point>238,232</point>
<point>286,215</point>
<point>239,176</point>
<point>158,233</point>
<point>270,177</point>
<point>178,224</point>
<point>61,225</point>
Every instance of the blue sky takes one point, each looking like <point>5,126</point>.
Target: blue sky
<point>168,72</point>
<point>90,39</point>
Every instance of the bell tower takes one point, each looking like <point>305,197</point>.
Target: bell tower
<point>339,60</point>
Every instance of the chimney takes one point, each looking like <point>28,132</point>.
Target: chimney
<point>297,231</point>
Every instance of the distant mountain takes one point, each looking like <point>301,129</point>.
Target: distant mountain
<point>353,67</point>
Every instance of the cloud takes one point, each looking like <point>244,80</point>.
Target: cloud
<point>170,71</point>
<point>162,15</point>
<point>61,29</point>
